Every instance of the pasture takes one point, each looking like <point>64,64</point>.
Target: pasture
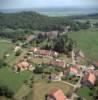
<point>5,47</point>
<point>87,41</point>
<point>43,87</point>
<point>12,80</point>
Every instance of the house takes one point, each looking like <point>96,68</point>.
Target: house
<point>91,67</point>
<point>22,65</point>
<point>52,34</point>
<point>73,71</point>
<point>46,53</point>
<point>30,37</point>
<point>89,79</point>
<point>17,48</point>
<point>59,63</point>
<point>66,29</point>
<point>56,77</point>
<point>56,94</point>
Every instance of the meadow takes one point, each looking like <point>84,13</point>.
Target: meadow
<point>43,87</point>
<point>12,80</point>
<point>5,47</point>
<point>87,41</point>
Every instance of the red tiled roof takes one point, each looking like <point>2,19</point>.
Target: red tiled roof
<point>23,64</point>
<point>44,52</point>
<point>58,94</point>
<point>59,63</point>
<point>74,70</point>
<point>90,76</point>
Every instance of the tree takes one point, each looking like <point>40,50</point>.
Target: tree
<point>63,44</point>
<point>5,91</point>
<point>39,70</point>
<point>2,63</point>
<point>18,53</point>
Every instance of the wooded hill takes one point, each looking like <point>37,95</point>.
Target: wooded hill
<point>34,21</point>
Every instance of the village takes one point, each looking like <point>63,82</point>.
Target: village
<point>48,58</point>
<point>54,68</point>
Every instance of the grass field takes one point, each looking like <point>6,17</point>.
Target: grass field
<point>41,88</point>
<point>86,93</point>
<point>12,80</point>
<point>87,41</point>
<point>5,47</point>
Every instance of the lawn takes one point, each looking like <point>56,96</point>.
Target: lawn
<point>87,41</point>
<point>5,47</point>
<point>12,80</point>
<point>41,88</point>
<point>86,93</point>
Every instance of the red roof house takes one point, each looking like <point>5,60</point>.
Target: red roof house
<point>42,52</point>
<point>89,79</point>
<point>59,63</point>
<point>73,71</point>
<point>56,94</point>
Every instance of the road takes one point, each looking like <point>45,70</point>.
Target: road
<point>78,85</point>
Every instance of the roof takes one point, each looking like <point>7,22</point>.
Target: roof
<point>34,49</point>
<point>52,34</point>
<point>59,63</point>
<point>57,94</point>
<point>23,64</point>
<point>30,37</point>
<point>91,77</point>
<point>74,70</point>
<point>44,52</point>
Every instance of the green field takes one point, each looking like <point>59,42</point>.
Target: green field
<point>12,80</point>
<point>41,88</point>
<point>86,93</point>
<point>5,47</point>
<point>87,41</point>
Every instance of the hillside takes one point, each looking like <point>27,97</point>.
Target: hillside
<point>34,21</point>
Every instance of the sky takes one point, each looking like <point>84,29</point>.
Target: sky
<point>13,4</point>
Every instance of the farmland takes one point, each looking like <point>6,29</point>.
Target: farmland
<point>87,41</point>
<point>12,80</point>
<point>42,88</point>
<point>5,47</point>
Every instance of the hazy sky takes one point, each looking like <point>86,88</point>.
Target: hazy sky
<point>9,4</point>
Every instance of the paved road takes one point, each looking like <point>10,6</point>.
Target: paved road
<point>78,85</point>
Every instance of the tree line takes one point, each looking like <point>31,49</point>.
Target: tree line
<point>35,21</point>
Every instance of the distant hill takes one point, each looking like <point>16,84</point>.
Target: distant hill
<point>34,21</point>
<point>89,16</point>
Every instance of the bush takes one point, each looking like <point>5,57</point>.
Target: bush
<point>39,70</point>
<point>5,91</point>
